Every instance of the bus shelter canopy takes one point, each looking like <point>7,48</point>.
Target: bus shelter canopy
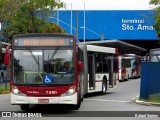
<point>123,47</point>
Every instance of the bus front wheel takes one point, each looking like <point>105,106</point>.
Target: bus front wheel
<point>24,107</point>
<point>77,106</point>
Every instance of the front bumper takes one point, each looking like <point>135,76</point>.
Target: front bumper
<point>17,100</point>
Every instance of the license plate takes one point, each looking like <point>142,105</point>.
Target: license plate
<point>43,100</point>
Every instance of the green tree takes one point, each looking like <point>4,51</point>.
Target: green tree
<point>31,17</point>
<point>8,8</point>
<point>52,27</point>
<point>40,7</point>
<point>156,3</point>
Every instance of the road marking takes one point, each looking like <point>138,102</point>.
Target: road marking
<point>134,98</point>
<point>103,100</point>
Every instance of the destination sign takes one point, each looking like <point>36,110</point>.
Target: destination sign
<point>43,42</point>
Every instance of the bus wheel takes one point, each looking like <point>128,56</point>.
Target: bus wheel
<point>104,88</point>
<point>82,98</point>
<point>24,107</point>
<point>76,107</point>
<point>136,77</point>
<point>127,78</point>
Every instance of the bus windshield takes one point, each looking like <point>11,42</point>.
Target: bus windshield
<point>43,66</point>
<point>155,55</point>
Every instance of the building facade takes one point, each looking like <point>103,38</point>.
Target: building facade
<point>113,24</point>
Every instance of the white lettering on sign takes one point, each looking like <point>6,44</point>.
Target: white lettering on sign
<point>127,27</point>
<point>51,92</point>
<point>133,21</point>
<point>32,92</point>
<point>135,24</point>
<point>141,27</point>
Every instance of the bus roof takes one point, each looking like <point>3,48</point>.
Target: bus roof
<point>5,43</point>
<point>42,34</point>
<point>123,47</point>
<point>101,49</point>
<point>155,49</point>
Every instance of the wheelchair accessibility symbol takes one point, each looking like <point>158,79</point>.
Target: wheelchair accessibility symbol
<point>47,79</point>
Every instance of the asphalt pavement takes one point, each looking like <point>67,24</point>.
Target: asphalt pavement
<point>118,101</point>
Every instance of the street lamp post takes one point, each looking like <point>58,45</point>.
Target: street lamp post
<point>102,36</point>
<point>84,24</point>
<point>63,22</point>
<point>71,20</point>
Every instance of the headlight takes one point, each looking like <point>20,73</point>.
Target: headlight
<point>16,91</point>
<point>70,91</point>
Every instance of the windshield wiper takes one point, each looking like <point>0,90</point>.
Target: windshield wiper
<point>55,52</point>
<point>35,59</point>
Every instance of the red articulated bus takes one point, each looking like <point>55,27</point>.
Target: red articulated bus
<point>54,69</point>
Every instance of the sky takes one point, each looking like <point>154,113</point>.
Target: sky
<point>108,4</point>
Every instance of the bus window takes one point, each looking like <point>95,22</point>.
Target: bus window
<point>105,67</point>
<point>115,64</point>
<point>154,55</point>
<point>155,58</point>
<point>99,67</point>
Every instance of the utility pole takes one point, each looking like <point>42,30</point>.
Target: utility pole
<point>71,20</point>
<point>57,16</point>
<point>84,24</point>
<point>77,25</point>
<point>102,38</point>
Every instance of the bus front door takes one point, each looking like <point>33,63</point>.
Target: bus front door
<point>110,63</point>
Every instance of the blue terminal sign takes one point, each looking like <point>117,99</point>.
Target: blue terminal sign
<point>115,24</point>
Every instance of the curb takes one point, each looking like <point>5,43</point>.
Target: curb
<point>5,92</point>
<point>146,103</point>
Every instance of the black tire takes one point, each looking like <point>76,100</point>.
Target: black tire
<point>104,87</point>
<point>76,107</point>
<point>82,98</point>
<point>127,78</point>
<point>136,77</point>
<point>24,107</point>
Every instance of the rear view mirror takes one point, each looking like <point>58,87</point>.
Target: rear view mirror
<point>7,56</point>
<point>80,66</point>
